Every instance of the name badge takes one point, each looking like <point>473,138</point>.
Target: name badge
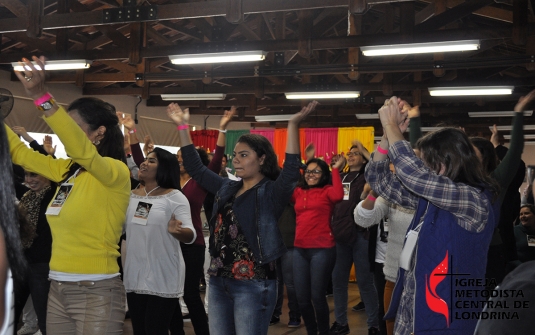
<point>60,198</point>
<point>531,240</point>
<point>408,249</point>
<point>347,189</point>
<point>141,215</point>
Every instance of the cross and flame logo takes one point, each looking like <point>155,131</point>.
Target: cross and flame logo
<point>434,301</point>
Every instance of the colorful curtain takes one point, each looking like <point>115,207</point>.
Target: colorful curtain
<point>302,142</point>
<point>325,140</point>
<point>279,144</point>
<point>205,139</point>
<point>363,134</point>
<point>269,133</point>
<point>230,143</point>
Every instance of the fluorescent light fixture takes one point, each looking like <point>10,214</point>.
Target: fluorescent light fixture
<point>194,96</point>
<point>323,95</point>
<point>509,128</point>
<point>470,90</point>
<point>497,114</point>
<point>420,48</point>
<point>526,137</point>
<point>219,57</point>
<point>273,118</point>
<point>367,116</point>
<point>72,64</point>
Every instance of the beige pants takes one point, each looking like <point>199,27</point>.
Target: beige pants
<point>86,307</point>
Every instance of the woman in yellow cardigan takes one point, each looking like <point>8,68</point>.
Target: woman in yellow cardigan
<point>86,294</point>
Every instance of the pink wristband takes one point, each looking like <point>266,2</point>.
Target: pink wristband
<point>43,99</point>
<point>371,197</point>
<point>381,150</point>
<point>182,127</point>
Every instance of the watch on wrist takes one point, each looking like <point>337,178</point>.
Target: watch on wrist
<point>47,105</point>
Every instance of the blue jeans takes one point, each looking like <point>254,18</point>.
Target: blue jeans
<point>241,307</point>
<point>312,268</point>
<point>346,254</point>
<point>285,276</point>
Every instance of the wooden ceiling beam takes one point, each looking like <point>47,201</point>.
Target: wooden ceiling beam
<point>456,13</point>
<point>180,11</point>
<point>489,12</point>
<point>16,7</point>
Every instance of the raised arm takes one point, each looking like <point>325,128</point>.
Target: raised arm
<point>215,163</point>
<point>209,180</point>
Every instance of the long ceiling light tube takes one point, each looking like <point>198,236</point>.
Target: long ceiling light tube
<point>470,90</point>
<point>419,48</point>
<point>194,96</point>
<point>273,118</point>
<point>526,137</point>
<point>497,114</point>
<point>51,65</point>
<point>367,116</point>
<point>509,128</point>
<point>219,57</point>
<point>323,95</point>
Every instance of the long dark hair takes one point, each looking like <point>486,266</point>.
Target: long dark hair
<point>451,150</point>
<point>96,113</point>
<point>262,146</point>
<point>325,178</point>
<point>9,218</point>
<point>168,171</point>
<point>488,153</point>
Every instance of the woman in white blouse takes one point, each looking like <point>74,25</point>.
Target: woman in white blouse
<point>158,219</point>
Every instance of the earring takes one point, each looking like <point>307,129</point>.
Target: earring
<point>96,142</point>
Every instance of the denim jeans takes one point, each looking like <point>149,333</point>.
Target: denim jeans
<point>285,276</point>
<point>312,269</point>
<point>241,307</point>
<point>37,286</point>
<point>357,253</point>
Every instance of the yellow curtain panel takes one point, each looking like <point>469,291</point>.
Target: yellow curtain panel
<point>346,135</point>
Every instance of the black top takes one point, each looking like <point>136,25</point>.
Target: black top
<point>41,248</point>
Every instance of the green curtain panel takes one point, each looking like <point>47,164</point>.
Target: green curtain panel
<point>232,138</point>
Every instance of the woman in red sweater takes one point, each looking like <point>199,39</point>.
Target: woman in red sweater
<point>315,253</point>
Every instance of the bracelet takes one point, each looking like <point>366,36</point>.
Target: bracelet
<point>224,131</point>
<point>371,197</point>
<point>131,131</point>
<point>183,126</point>
<point>381,150</point>
<point>43,99</point>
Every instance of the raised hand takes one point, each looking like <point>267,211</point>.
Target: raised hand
<point>301,115</point>
<point>149,145</point>
<point>340,162</point>
<point>495,137</point>
<point>362,149</point>
<point>390,114</point>
<point>177,115</point>
<point>33,77</point>
<point>47,145</point>
<point>227,118</point>
<point>126,120</point>
<point>523,101</point>
<point>310,151</point>
<point>21,131</point>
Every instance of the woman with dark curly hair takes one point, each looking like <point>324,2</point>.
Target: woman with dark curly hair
<point>314,246</point>
<point>245,240</point>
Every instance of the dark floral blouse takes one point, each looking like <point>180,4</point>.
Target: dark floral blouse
<point>235,258</point>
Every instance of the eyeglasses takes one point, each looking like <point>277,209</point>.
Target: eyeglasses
<point>313,171</point>
<point>351,154</point>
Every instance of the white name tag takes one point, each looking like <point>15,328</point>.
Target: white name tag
<point>141,215</point>
<point>408,249</point>
<point>531,240</point>
<point>347,189</point>
<point>60,198</point>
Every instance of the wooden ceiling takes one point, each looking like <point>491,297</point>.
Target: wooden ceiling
<point>309,43</point>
